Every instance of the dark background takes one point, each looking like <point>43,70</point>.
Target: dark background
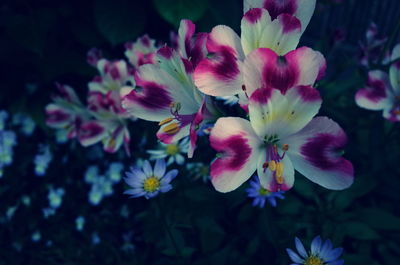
<point>42,42</point>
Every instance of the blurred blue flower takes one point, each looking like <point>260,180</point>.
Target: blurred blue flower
<point>114,172</point>
<point>91,174</point>
<point>95,239</point>
<point>61,136</point>
<point>26,122</point>
<point>148,182</point>
<point>8,139</point>
<point>36,236</point>
<point>42,160</point>
<point>199,170</point>
<point>3,118</point>
<point>322,253</point>
<point>80,223</point>
<point>260,195</point>
<point>174,153</point>
<point>55,197</point>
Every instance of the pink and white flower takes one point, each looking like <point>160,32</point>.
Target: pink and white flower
<point>383,91</point>
<point>269,24</point>
<point>282,134</point>
<point>67,112</point>
<point>166,92</point>
<point>104,104</point>
<point>141,52</point>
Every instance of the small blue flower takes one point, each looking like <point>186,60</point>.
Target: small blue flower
<point>26,122</point>
<point>91,174</point>
<point>55,197</point>
<point>36,236</point>
<point>3,118</point>
<point>80,223</point>
<point>148,182</point>
<point>114,172</point>
<point>42,160</point>
<point>174,153</point>
<point>260,195</point>
<point>322,253</point>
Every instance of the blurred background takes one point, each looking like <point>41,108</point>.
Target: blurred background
<point>43,42</point>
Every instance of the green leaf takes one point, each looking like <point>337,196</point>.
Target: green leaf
<point>119,20</point>
<point>360,231</point>
<point>380,219</point>
<point>175,10</point>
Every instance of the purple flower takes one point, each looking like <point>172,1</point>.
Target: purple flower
<point>260,195</point>
<point>148,181</point>
<point>322,253</point>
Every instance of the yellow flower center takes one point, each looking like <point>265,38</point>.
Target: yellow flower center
<point>263,192</point>
<point>172,149</point>
<point>151,184</point>
<point>313,260</point>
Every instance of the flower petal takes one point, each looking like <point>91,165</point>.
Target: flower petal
<point>377,94</point>
<point>394,70</point>
<point>314,152</point>
<point>258,31</point>
<point>168,137</point>
<point>159,168</point>
<point>239,145</point>
<point>147,170</point>
<point>302,9</point>
<point>294,257</point>
<point>316,245</point>
<point>264,68</point>
<point>91,132</point>
<point>333,254</point>
<point>57,116</point>
<point>220,74</point>
<point>300,247</point>
<point>272,113</point>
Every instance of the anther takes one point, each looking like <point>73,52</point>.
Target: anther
<point>272,165</point>
<point>285,147</point>
<point>279,169</point>
<point>171,128</point>
<point>167,120</point>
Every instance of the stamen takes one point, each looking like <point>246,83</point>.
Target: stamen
<point>279,169</point>
<point>272,165</point>
<point>167,120</point>
<point>265,165</point>
<point>171,128</point>
<point>285,147</point>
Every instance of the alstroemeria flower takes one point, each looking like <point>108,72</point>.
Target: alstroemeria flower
<point>142,51</point>
<point>274,27</point>
<point>104,104</point>
<point>67,112</point>
<point>166,92</point>
<point>281,136</point>
<point>383,91</point>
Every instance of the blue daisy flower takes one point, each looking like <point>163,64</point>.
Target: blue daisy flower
<point>148,182</point>
<point>322,253</point>
<point>260,195</point>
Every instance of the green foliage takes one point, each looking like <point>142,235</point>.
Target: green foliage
<point>175,10</point>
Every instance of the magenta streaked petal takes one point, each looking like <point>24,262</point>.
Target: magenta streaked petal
<point>169,138</point>
<point>113,142</point>
<point>394,70</point>
<point>239,146</point>
<point>185,33</point>
<point>315,152</point>
<point>57,117</point>
<point>264,68</point>
<point>220,74</point>
<point>91,132</point>
<point>194,126</point>
<point>377,94</point>
<point>259,31</point>
<point>302,9</point>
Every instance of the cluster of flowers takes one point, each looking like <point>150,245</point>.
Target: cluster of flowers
<point>8,139</point>
<point>8,136</point>
<point>102,185</point>
<point>272,80</point>
<point>382,91</point>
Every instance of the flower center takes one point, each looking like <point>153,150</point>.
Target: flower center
<point>273,159</point>
<point>263,192</point>
<point>172,149</point>
<point>151,184</point>
<point>313,260</point>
